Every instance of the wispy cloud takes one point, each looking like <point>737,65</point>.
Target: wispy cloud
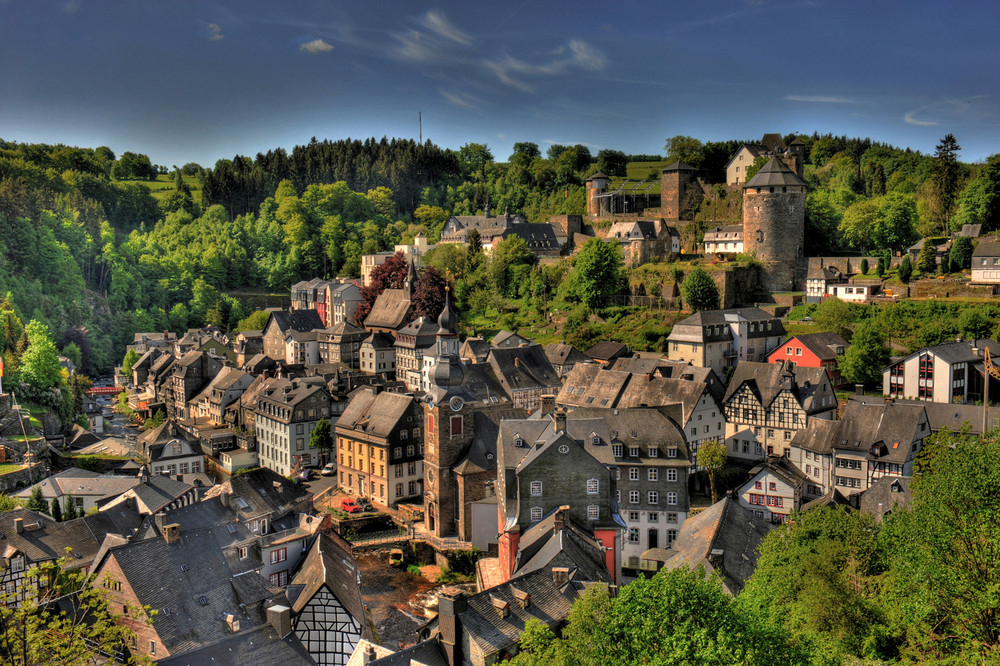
<point>910,119</point>
<point>439,24</point>
<point>215,33</point>
<point>316,47</point>
<point>576,54</point>
<point>72,7</point>
<point>460,99</point>
<point>821,99</point>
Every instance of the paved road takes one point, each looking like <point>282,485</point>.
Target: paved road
<point>320,483</point>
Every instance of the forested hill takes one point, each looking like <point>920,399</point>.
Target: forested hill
<point>95,248</point>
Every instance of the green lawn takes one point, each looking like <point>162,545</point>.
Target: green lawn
<point>6,468</point>
<point>164,186</point>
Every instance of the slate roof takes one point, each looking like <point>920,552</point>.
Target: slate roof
<point>893,424</point>
<point>824,345</point>
<point>773,174</point>
<point>780,467</point>
<point>729,233</point>
<point>520,368</point>
<point>661,391</point>
<point>418,334</point>
<point>817,437</point>
<point>474,349</point>
<point>296,320</point>
<point>374,413</point>
<point>390,310</point>
<point>330,564</point>
<point>425,653</point>
<point>767,380</point>
<point>971,230</point>
<point>560,353</point>
<point>608,351</point>
<point>679,166</point>
<point>890,493</point>
<point>692,329</point>
<point>588,384</point>
<point>264,491</point>
<point>262,647</point>
<point>987,248</point>
<point>958,351</point>
<point>724,526</point>
<point>832,498</point>
<point>174,579</point>
<point>818,272</point>
<point>44,539</point>
<point>773,142</point>
<point>504,335</point>
<point>491,633</point>
<point>481,455</point>
<point>79,482</point>
<point>380,340</point>
<point>552,543</point>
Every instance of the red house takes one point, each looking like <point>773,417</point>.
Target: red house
<point>813,350</point>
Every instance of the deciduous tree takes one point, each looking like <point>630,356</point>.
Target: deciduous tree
<point>864,359</point>
<point>600,272</point>
<point>699,290</point>
<point>712,456</point>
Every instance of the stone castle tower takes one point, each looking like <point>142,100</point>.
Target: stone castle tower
<point>680,192</point>
<point>774,208</point>
<point>596,186</point>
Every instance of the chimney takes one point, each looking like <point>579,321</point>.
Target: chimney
<point>160,520</point>
<point>548,404</point>
<point>523,598</point>
<point>559,520</point>
<point>224,499</point>
<point>280,617</point>
<point>451,604</point>
<point>233,622</point>
<point>715,558</point>
<point>560,576</point>
<point>171,533</point>
<point>369,655</point>
<point>559,423</point>
<point>19,525</point>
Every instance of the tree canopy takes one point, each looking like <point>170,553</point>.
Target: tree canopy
<point>700,292</point>
<point>599,272</point>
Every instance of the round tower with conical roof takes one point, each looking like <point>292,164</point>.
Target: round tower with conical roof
<point>596,186</point>
<point>774,209</point>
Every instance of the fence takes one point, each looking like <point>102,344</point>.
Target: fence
<point>378,538</point>
<point>652,302</point>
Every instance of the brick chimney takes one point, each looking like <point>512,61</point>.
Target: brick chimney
<point>559,423</point>
<point>172,533</point>
<point>451,604</point>
<point>560,576</point>
<point>716,558</point>
<point>548,404</point>
<point>19,525</point>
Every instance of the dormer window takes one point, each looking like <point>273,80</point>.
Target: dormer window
<point>653,452</point>
<point>518,441</point>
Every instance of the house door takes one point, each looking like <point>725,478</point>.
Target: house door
<point>654,539</point>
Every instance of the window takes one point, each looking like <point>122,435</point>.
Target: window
<point>653,497</point>
<point>152,647</point>
<point>404,434</point>
<point>397,452</point>
<point>671,475</point>
<point>279,578</point>
<point>671,517</point>
<point>279,555</point>
<point>592,486</point>
<point>652,475</point>
<point>633,496</point>
<point>536,488</point>
<point>672,498</point>
<point>411,468</point>
<point>243,552</point>
<point>399,490</point>
<point>672,452</point>
<point>653,452</point>
<point>536,514</point>
<point>633,535</point>
<point>633,516</point>
<point>772,486</point>
<point>409,450</point>
<point>593,512</point>
<point>633,473</point>
<point>17,564</point>
<point>412,486</point>
<point>633,451</point>
<point>654,517</point>
<point>398,471</point>
<point>616,450</point>
<point>456,426</point>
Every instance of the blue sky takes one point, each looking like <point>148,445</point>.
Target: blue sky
<point>197,81</point>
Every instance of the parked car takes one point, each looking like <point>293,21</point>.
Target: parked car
<point>365,504</point>
<point>350,506</point>
<point>329,469</point>
<point>305,474</point>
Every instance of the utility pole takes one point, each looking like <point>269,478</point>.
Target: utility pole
<point>420,121</point>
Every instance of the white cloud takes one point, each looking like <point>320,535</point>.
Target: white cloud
<point>72,6</point>
<point>316,47</point>
<point>575,55</point>
<point>820,99</point>
<point>909,119</point>
<point>215,33</point>
<point>438,23</point>
<point>459,99</point>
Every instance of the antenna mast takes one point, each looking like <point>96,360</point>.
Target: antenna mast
<point>420,121</point>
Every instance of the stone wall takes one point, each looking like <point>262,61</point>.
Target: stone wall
<point>738,286</point>
<point>774,231</point>
<point>22,478</point>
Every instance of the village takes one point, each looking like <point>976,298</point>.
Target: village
<point>390,489</point>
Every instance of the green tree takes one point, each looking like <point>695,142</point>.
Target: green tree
<point>864,359</point>
<point>69,508</point>
<point>699,291</point>
<point>946,175</point>
<point>880,267</point>
<point>905,270</point>
<point>612,162</point>
<point>864,265</point>
<point>472,158</point>
<point>65,617</point>
<point>39,366</point>
<point>752,170</point>
<point>321,438</point>
<point>686,149</point>
<point>131,356</point>
<point>475,242</point>
<point>37,501</point>
<point>712,456</point>
<point>56,510</point>
<point>834,314</point>
<point>961,253</point>
<point>979,202</point>
<point>600,272</point>
<point>255,322</point>
<point>927,259</point>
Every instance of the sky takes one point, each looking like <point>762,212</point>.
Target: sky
<point>185,81</point>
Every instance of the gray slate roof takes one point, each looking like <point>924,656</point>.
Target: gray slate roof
<point>775,174</point>
<point>767,380</point>
<point>375,413</point>
<point>390,310</point>
<point>330,564</point>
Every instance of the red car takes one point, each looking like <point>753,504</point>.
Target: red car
<point>350,506</point>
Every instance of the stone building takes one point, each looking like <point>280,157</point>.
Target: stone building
<point>680,192</point>
<point>774,208</point>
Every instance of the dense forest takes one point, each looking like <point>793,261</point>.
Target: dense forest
<point>90,248</point>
